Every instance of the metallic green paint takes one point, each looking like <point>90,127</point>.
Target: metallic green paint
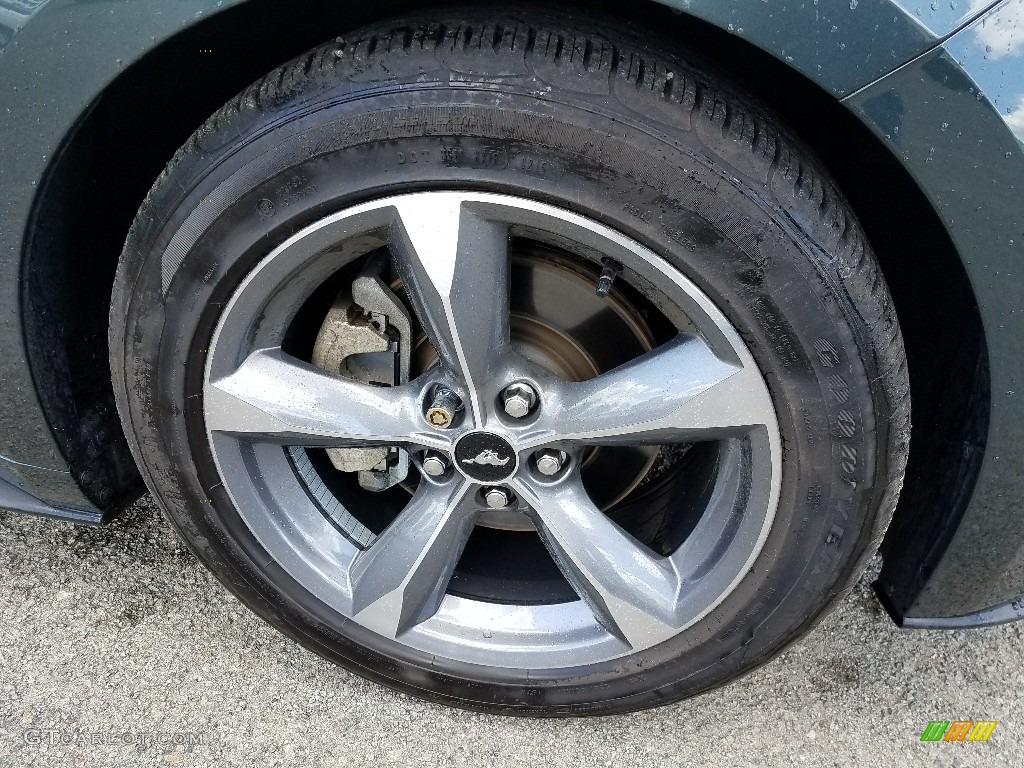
<point>955,118</point>
<point>839,44</point>
<point>51,71</point>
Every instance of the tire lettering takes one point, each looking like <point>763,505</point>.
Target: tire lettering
<point>847,424</point>
<point>826,353</point>
<point>777,332</point>
<point>421,156</point>
<point>637,212</point>
<point>813,501</point>
<point>840,389</point>
<point>539,166</point>
<point>848,459</point>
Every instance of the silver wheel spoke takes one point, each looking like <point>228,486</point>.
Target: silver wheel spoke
<point>455,265</point>
<point>401,579</point>
<point>273,397</point>
<point>631,591</point>
<point>678,392</point>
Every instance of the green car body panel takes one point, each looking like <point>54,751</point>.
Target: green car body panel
<point>940,87</point>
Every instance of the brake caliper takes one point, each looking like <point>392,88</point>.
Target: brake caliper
<point>367,337</point>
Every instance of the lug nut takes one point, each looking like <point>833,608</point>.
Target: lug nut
<point>442,410</point>
<point>518,400</point>
<point>434,464</point>
<point>549,462</point>
<point>497,498</point>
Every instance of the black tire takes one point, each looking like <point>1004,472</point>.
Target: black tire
<point>587,117</point>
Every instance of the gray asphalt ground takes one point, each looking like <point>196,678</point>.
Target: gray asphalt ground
<point>120,630</point>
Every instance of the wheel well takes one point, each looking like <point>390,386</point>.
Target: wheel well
<point>99,177</point>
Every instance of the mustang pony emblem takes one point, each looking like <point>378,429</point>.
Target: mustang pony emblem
<point>488,457</point>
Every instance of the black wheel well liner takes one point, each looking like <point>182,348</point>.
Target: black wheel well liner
<point>97,180</point>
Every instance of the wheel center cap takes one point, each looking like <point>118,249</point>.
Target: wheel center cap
<point>485,457</point>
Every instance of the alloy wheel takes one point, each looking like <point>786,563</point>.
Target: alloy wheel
<point>485,429</point>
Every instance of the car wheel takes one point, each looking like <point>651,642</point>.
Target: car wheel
<point>514,363</point>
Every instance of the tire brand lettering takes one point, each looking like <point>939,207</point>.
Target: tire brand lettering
<point>840,389</point>
<point>847,424</point>
<point>826,353</point>
<point>848,459</point>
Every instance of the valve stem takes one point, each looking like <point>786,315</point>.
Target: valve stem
<point>611,270</point>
